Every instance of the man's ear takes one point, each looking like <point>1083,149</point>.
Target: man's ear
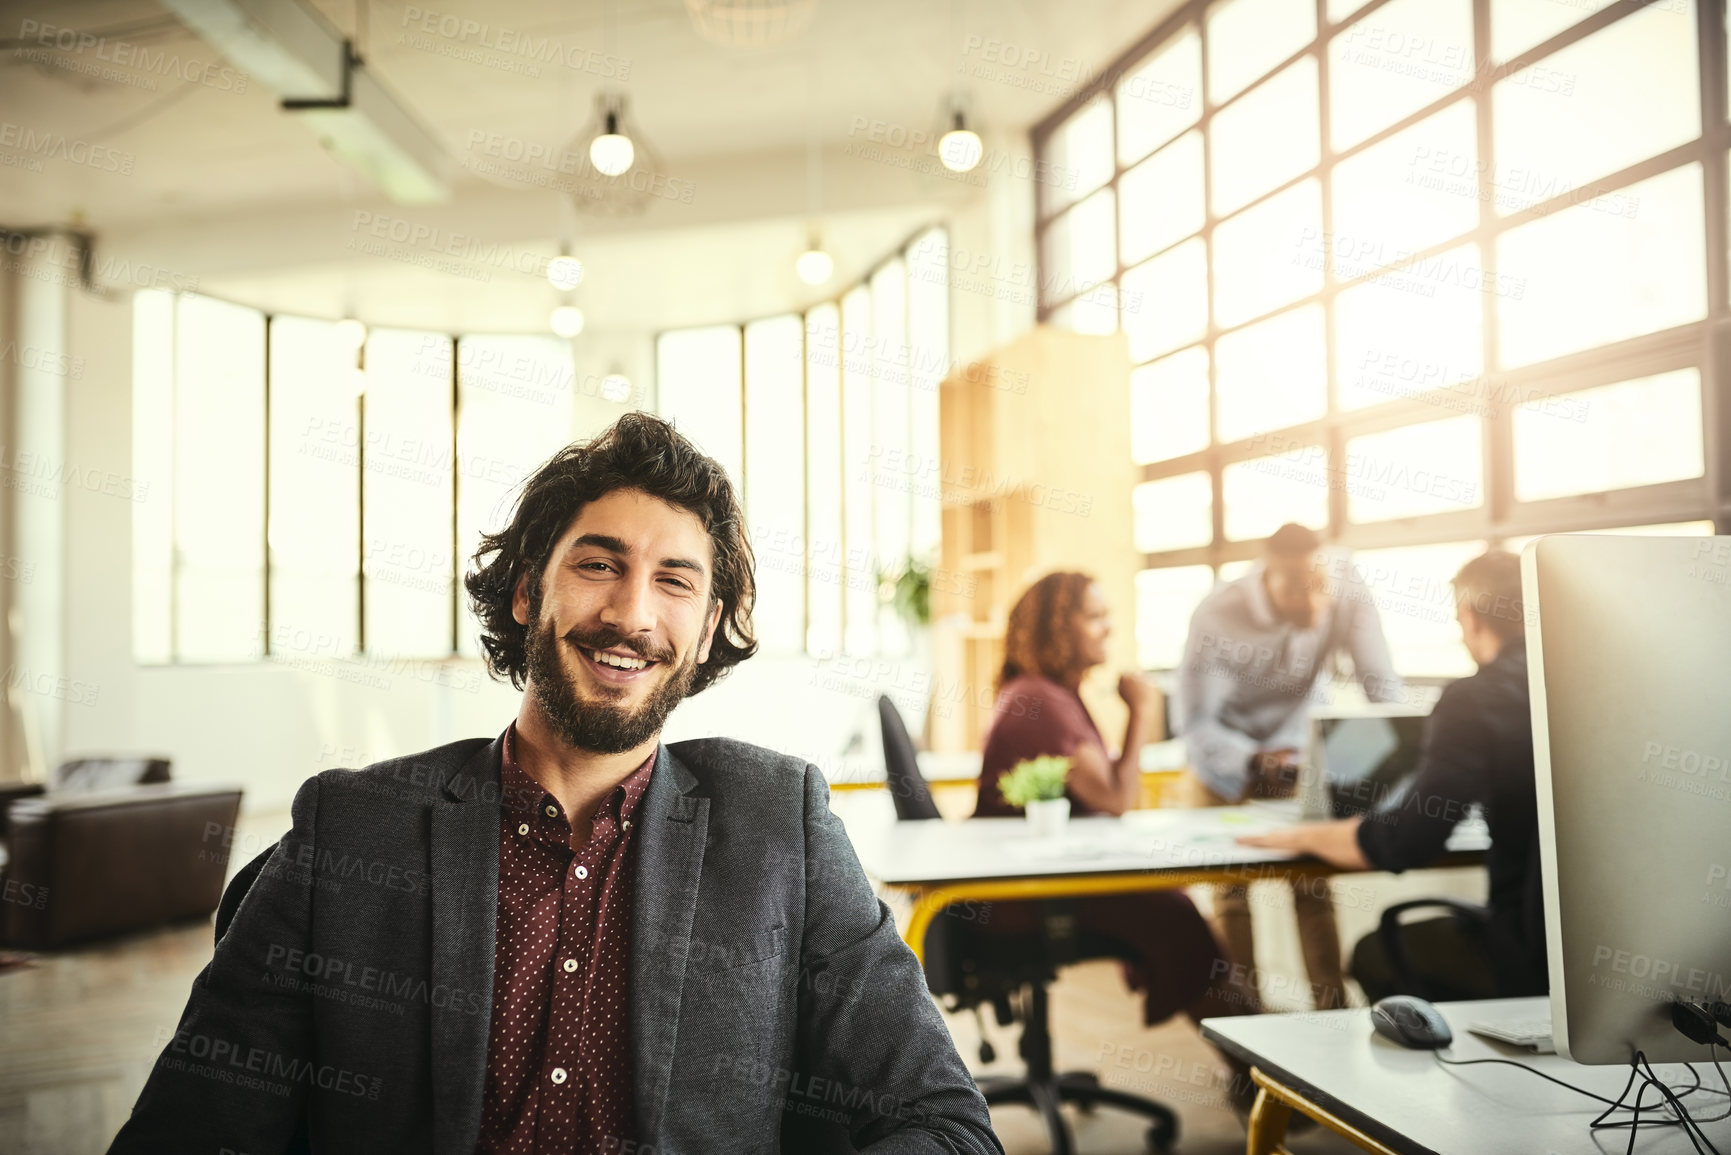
<point>520,598</point>
<point>709,633</point>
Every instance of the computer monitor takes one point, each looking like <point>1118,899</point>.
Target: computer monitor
<point>1629,662</point>
<point>1361,758</point>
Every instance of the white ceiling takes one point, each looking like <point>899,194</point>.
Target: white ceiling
<point>200,153</point>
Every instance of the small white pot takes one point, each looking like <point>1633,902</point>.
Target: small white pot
<point>1046,818</point>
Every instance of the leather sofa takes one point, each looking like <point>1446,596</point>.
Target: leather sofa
<point>111,845</point>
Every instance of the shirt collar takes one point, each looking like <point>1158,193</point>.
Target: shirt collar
<point>526,799</point>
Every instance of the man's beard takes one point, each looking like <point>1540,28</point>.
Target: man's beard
<point>598,727</point>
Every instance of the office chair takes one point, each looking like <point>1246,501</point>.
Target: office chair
<point>969,970</point>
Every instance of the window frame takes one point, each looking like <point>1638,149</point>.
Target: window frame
<point>1704,343</point>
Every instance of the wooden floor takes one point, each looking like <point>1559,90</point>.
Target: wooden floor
<point>79,1030</point>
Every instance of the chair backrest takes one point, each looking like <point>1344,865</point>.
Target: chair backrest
<point>907,786</point>
<point>83,775</point>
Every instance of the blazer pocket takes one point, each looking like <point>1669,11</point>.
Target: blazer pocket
<point>716,957</point>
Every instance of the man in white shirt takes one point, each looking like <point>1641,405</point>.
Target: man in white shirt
<point>1257,651</point>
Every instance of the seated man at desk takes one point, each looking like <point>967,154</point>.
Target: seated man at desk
<point>1478,748</point>
<point>1257,648</point>
<point>1056,633</point>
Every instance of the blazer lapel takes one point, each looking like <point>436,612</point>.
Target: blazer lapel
<point>669,861</point>
<point>465,896</point>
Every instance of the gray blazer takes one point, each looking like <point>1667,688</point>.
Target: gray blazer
<point>347,1006</point>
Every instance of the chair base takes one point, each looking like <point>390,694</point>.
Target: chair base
<point>1082,1088</point>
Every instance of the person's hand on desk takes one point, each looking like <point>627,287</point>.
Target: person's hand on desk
<point>1273,773</point>
<point>1336,843</point>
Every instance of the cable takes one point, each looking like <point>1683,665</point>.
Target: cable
<point>158,105</point>
<point>1617,1102</point>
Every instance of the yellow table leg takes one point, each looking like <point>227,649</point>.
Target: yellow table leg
<point>1268,1119</point>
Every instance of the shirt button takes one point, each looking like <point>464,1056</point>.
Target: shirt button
<point>626,824</point>
<point>570,965</point>
<point>523,829</point>
<point>552,812</point>
<point>558,1074</point>
<point>582,872</point>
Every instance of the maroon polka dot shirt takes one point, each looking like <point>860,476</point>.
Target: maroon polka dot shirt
<point>559,1050</point>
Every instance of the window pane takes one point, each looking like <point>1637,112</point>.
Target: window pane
<point>1339,10</point>
<point>1174,512</point>
<point>1272,374</point>
<point>1267,256</point>
<point>1081,147</point>
<point>315,499</point>
<point>1095,311</point>
<point>697,388</point>
<point>1623,94</point>
<point>1265,493</point>
<point>1160,200</point>
<point>1412,331</point>
<point>1169,407</point>
<point>153,473</point>
<point>929,345</point>
<point>1616,436</point>
<point>775,479</point>
<point>1664,529</point>
<point>892,512</point>
<point>409,568</point>
<point>1169,295</point>
<point>1589,275</point>
<point>1078,250</point>
<point>1165,599</point>
<point>1436,467</point>
<point>219,482</point>
<point>1411,591</point>
<point>1414,190</point>
<point>858,494</point>
<point>1161,98</point>
<point>824,479</point>
<point>503,437</point>
<point>1247,38</point>
<point>1267,138</point>
<point>1517,25</point>
<point>1400,58</point>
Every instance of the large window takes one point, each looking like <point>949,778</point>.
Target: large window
<point>323,498</point>
<point>1418,283</point>
<point>830,423</point>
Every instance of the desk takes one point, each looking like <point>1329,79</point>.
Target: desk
<point>939,863</point>
<point>1331,1066</point>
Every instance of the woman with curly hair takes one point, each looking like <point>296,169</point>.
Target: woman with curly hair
<point>1056,633</point>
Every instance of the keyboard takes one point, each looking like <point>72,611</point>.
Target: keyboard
<point>1534,1034</point>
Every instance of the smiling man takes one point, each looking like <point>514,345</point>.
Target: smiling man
<point>595,942</point>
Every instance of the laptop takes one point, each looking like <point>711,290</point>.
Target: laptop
<point>1362,758</point>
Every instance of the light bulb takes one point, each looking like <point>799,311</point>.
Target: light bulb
<point>565,273</point>
<point>960,149</point>
<point>566,321</point>
<point>351,334</point>
<point>612,152</point>
<point>615,387</point>
<point>814,266</point>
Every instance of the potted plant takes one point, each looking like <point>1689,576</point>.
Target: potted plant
<point>1037,786</point>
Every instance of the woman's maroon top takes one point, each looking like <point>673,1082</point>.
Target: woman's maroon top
<point>1033,716</point>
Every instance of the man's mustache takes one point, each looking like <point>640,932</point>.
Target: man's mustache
<point>614,640</point>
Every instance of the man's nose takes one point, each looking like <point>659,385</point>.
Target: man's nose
<point>630,608</point>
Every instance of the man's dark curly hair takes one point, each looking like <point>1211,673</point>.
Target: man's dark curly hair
<point>639,451</point>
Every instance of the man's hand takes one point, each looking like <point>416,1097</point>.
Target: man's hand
<point>1139,693</point>
<point>1273,773</point>
<point>1336,843</point>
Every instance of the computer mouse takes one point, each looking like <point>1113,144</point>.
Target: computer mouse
<point>1411,1022</point>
